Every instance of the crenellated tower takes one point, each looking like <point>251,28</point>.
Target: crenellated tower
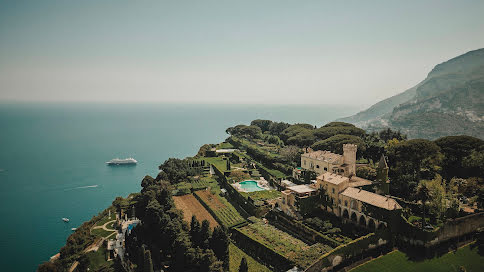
<point>349,158</point>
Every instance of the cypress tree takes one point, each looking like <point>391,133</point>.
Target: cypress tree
<point>205,234</point>
<point>148,263</point>
<point>243,265</point>
<point>195,231</point>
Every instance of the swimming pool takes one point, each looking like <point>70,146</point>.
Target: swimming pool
<point>250,186</point>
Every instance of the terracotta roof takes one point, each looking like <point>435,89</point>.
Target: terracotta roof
<point>357,181</point>
<point>323,156</point>
<point>301,189</point>
<point>332,178</point>
<point>372,198</point>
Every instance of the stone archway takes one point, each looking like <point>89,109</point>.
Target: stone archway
<point>354,217</point>
<point>362,220</point>
<point>371,224</point>
<point>353,204</point>
<point>382,226</point>
<point>346,215</point>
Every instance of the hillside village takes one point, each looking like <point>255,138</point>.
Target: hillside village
<point>281,197</point>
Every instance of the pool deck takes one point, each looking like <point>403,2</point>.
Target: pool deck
<point>262,183</point>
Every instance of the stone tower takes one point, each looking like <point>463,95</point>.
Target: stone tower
<point>383,183</point>
<point>349,158</point>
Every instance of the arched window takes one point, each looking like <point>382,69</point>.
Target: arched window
<point>346,203</point>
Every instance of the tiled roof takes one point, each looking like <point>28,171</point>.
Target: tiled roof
<point>357,181</point>
<point>323,156</point>
<point>301,189</point>
<point>332,178</point>
<point>372,198</point>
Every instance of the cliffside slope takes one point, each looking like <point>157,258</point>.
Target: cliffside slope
<point>450,101</point>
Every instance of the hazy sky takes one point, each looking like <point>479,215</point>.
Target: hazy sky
<point>318,52</point>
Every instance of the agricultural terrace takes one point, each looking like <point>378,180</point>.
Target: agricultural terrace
<point>466,257</point>
<point>225,145</point>
<point>218,162</point>
<point>191,206</point>
<point>235,257</point>
<point>197,183</point>
<point>223,210</point>
<point>283,243</point>
<point>262,195</point>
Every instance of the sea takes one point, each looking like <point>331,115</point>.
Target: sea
<point>52,160</point>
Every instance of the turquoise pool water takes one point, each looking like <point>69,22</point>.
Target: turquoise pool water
<point>250,186</point>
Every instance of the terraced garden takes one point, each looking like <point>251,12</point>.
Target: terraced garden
<point>262,195</point>
<point>466,257</point>
<point>281,242</point>
<point>223,210</point>
<point>191,206</point>
<point>204,182</point>
<point>235,257</point>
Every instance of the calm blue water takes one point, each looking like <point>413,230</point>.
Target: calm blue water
<point>52,160</point>
<point>250,186</point>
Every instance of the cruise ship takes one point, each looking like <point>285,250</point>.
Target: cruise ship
<point>118,161</point>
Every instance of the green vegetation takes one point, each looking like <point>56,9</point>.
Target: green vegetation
<point>221,208</point>
<point>466,257</point>
<point>101,232</point>
<point>225,145</point>
<point>218,162</point>
<point>236,255</point>
<point>285,244</point>
<point>97,260</point>
<point>262,195</point>
<point>106,218</point>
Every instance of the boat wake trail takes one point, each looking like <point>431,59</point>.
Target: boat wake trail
<point>82,187</point>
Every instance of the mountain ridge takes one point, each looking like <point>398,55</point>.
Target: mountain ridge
<point>449,101</point>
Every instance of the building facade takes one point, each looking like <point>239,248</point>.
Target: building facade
<point>343,190</point>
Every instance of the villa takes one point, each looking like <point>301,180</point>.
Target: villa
<point>349,196</point>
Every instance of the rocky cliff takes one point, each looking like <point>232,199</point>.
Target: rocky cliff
<point>450,101</point>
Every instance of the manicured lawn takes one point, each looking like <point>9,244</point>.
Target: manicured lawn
<point>97,259</point>
<point>285,244</point>
<point>101,232</point>
<point>106,219</point>
<point>262,195</point>
<point>219,162</point>
<point>236,255</point>
<point>398,261</point>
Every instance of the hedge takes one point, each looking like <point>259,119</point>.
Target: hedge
<point>349,250</point>
<point>261,252</point>
<point>299,228</point>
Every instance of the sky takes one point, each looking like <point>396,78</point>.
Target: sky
<point>266,52</point>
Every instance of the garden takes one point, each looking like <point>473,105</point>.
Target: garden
<point>283,243</point>
<point>465,258</point>
<point>235,257</point>
<point>221,208</point>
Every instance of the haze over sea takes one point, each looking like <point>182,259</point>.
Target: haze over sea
<point>52,160</point>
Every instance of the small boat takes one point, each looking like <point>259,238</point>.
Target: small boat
<point>65,219</point>
<point>73,229</point>
<point>118,161</point>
